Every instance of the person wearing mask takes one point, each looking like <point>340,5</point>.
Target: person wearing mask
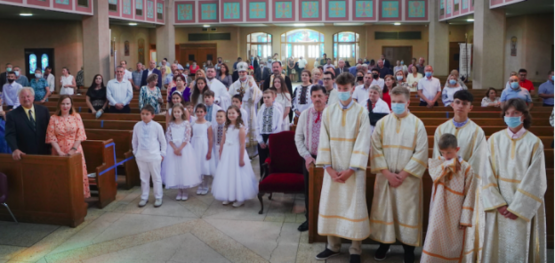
<point>359,78</point>
<point>340,67</point>
<point>96,96</point>
<point>516,91</point>
<point>491,99</point>
<point>447,95</point>
<point>455,73</point>
<point>22,137</point>
<point>119,92</point>
<point>50,78</point>
<point>420,66</point>
<point>382,69</point>
<point>67,83</point>
<point>40,86</point>
<point>20,77</point>
<point>80,78</point>
<point>401,80</point>
<point>147,72</point>
<point>137,76</point>
<point>413,77</point>
<point>376,79</point>
<point>546,91</point>
<point>429,89</point>
<point>4,75</point>
<point>307,136</point>
<point>329,65</point>
<point>525,83</point>
<point>302,65</point>
<point>10,91</point>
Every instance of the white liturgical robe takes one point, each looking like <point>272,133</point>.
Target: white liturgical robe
<point>514,176</point>
<point>473,149</point>
<point>251,96</point>
<point>398,144</point>
<point>344,143</point>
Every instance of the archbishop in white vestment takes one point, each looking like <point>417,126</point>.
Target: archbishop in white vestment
<point>514,176</point>
<point>251,94</point>
<point>344,143</point>
<point>221,96</point>
<point>398,144</point>
<point>473,149</point>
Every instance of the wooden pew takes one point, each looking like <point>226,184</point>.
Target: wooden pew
<point>100,159</point>
<point>120,117</point>
<point>122,139</point>
<point>45,189</point>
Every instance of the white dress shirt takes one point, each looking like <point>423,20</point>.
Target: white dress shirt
<point>51,79</point>
<point>119,92</point>
<point>361,94</point>
<point>9,94</point>
<point>149,141</point>
<point>429,87</point>
<point>127,75</point>
<point>302,63</point>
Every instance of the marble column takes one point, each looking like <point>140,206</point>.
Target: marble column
<point>96,43</point>
<point>438,37</point>
<point>489,47</point>
<point>165,35</point>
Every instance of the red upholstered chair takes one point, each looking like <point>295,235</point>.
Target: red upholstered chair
<point>285,173</point>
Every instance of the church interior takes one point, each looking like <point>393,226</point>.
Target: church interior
<point>485,40</point>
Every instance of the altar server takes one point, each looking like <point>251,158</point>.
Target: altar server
<point>399,155</point>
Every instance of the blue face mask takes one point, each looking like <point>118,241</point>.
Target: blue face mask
<point>515,85</point>
<point>402,62</point>
<point>452,82</point>
<point>398,108</point>
<point>552,78</point>
<point>344,96</point>
<point>512,122</point>
<point>428,74</point>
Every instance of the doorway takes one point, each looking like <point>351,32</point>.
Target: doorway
<point>38,58</point>
<point>197,52</point>
<point>307,43</point>
<point>454,54</point>
<point>393,54</point>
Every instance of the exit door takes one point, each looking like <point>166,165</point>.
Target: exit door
<point>197,52</point>
<point>38,58</point>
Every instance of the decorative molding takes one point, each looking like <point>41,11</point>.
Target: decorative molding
<point>310,10</point>
<point>258,11</point>
<point>364,10</point>
<point>284,11</point>
<point>232,11</point>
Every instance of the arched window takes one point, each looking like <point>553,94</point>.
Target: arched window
<point>302,42</point>
<point>32,63</point>
<point>259,44</point>
<point>44,61</point>
<point>345,45</point>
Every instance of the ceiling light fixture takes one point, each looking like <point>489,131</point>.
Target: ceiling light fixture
<point>300,25</point>
<point>397,24</point>
<point>132,24</point>
<point>470,20</point>
<point>206,26</point>
<point>25,14</point>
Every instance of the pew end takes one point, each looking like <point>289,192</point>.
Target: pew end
<point>100,159</point>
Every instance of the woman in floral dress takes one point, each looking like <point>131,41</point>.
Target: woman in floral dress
<point>151,95</point>
<point>65,132</point>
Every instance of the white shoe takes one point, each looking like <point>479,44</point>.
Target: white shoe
<point>199,190</point>
<point>184,196</point>
<point>143,202</point>
<point>238,204</point>
<point>158,202</point>
<point>225,203</point>
<point>205,190</point>
<point>178,197</point>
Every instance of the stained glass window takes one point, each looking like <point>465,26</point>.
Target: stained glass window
<point>302,42</point>
<point>345,45</point>
<point>259,44</point>
<point>44,62</point>
<point>32,63</point>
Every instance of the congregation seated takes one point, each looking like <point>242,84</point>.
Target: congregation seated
<point>96,96</point>
<point>151,94</point>
<point>65,133</point>
<point>491,99</point>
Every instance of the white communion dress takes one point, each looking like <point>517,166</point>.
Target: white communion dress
<point>180,172</point>
<point>200,144</point>
<point>233,182</point>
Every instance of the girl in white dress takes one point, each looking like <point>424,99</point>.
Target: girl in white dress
<point>283,98</point>
<point>202,143</point>
<point>179,168</point>
<point>67,83</point>
<point>218,130</point>
<point>235,180</point>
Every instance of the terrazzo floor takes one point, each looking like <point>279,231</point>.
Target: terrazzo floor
<point>200,229</point>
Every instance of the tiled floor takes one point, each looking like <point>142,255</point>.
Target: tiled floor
<point>197,230</point>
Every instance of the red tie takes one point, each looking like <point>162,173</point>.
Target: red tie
<point>317,118</point>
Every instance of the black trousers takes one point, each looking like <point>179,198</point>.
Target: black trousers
<point>263,154</point>
<point>547,105</point>
<point>306,175</point>
<point>423,103</point>
<point>125,109</point>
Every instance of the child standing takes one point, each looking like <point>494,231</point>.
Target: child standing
<point>149,148</point>
<point>202,143</point>
<point>218,129</point>
<point>235,180</point>
<point>269,121</point>
<point>452,205</point>
<point>189,107</point>
<point>237,100</point>
<point>174,99</point>
<point>180,166</point>
<point>211,108</point>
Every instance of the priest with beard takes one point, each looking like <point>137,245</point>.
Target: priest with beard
<point>222,97</point>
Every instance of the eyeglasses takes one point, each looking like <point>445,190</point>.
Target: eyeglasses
<point>326,79</point>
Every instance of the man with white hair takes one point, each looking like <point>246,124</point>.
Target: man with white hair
<point>353,70</point>
<point>221,95</point>
<point>251,95</point>
<point>340,67</point>
<point>26,126</point>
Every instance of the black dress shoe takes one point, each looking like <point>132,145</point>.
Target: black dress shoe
<point>355,259</point>
<point>303,227</point>
<point>326,254</point>
<point>381,253</point>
